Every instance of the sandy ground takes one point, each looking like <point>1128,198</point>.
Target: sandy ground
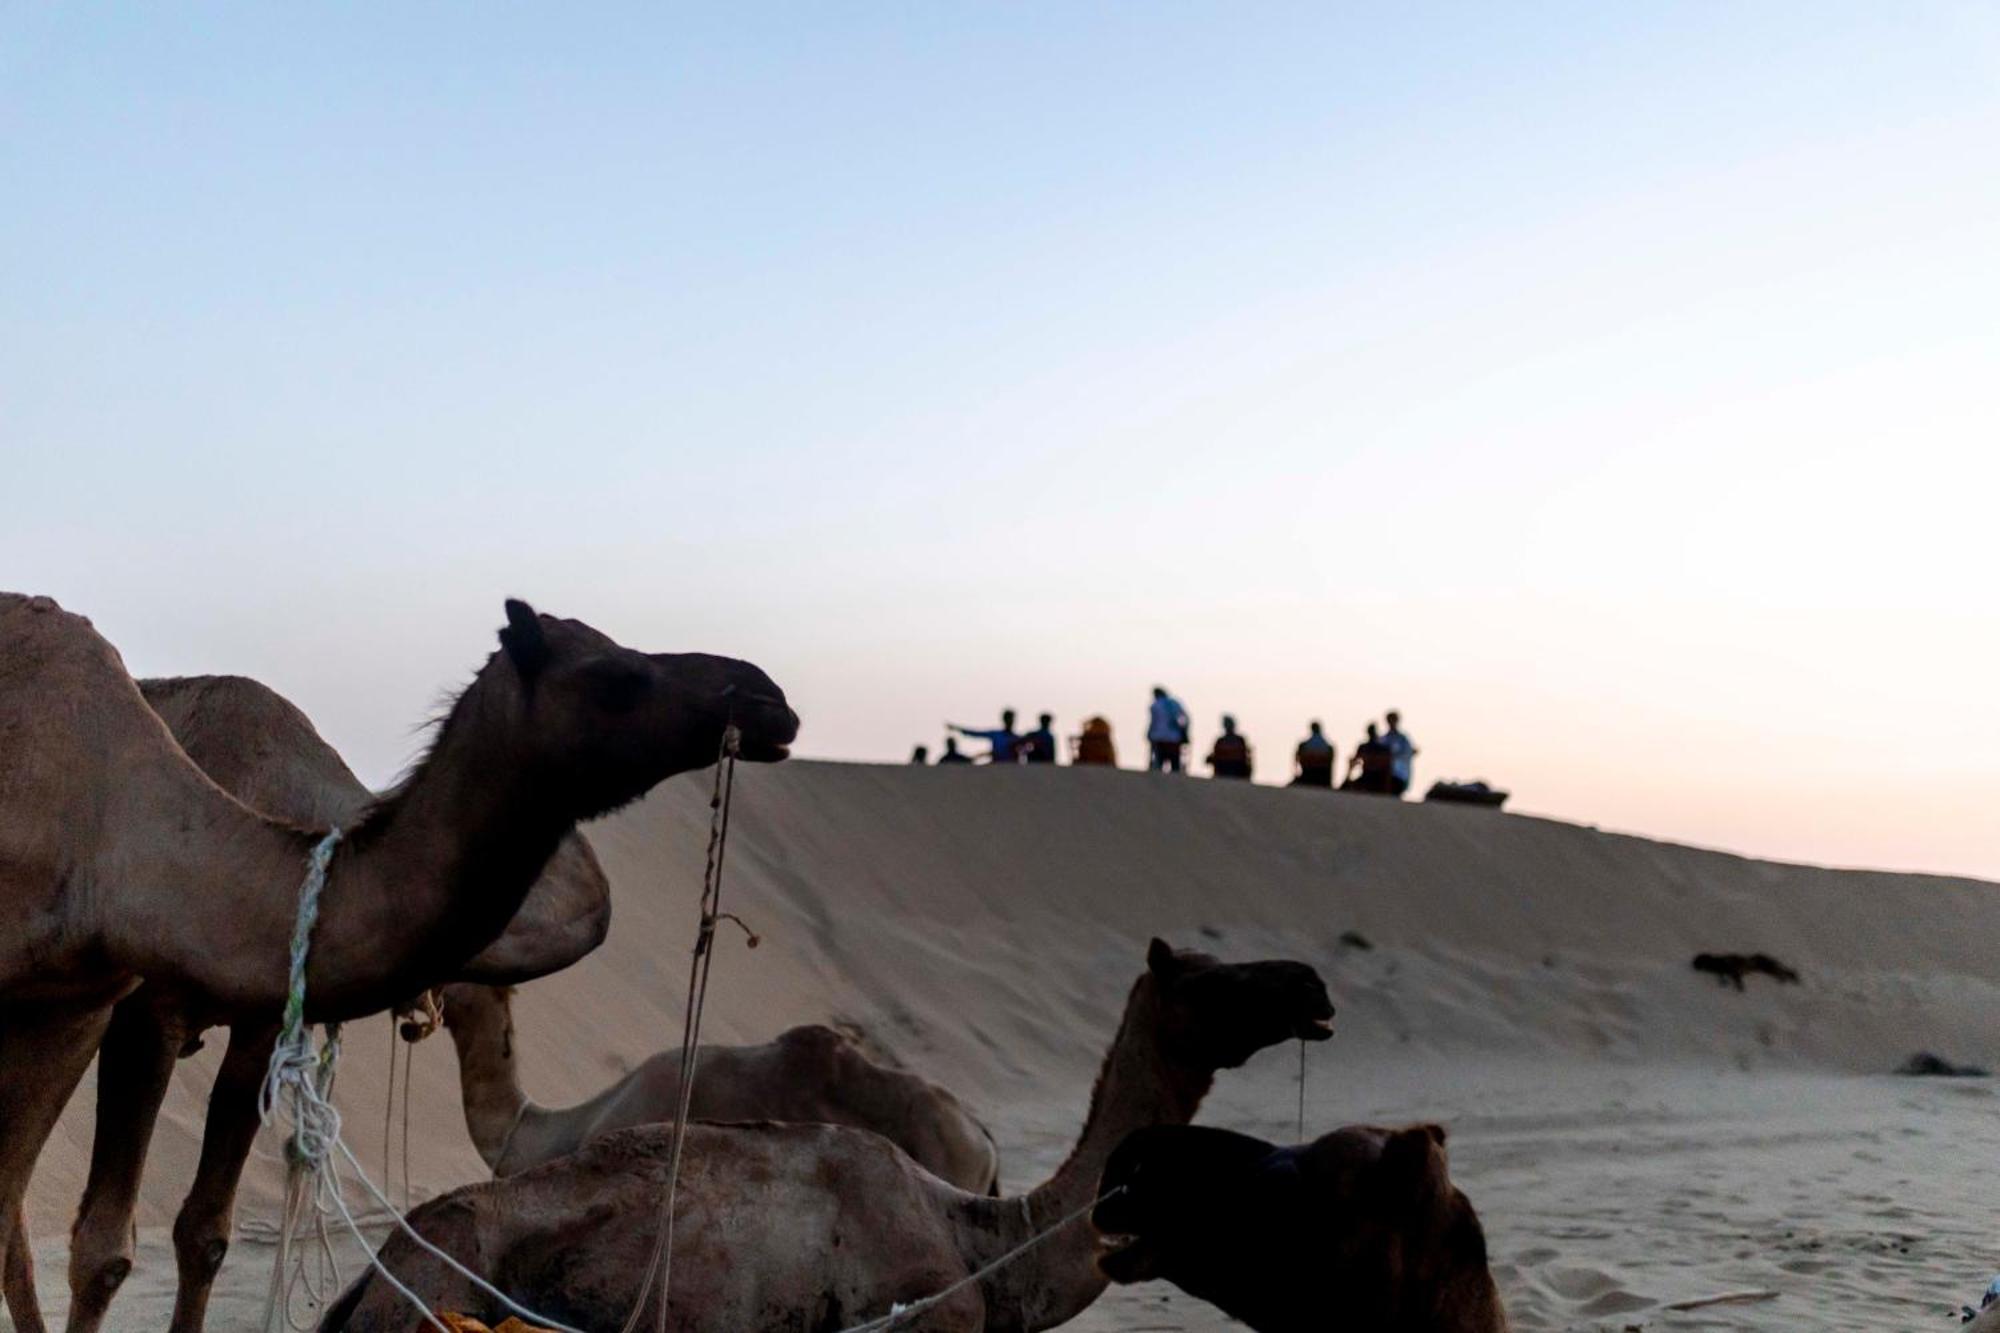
<point>1632,1134</point>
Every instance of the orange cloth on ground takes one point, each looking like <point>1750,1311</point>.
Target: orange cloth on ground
<point>459,1323</point>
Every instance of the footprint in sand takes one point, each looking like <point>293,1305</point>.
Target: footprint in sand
<point>1593,1291</point>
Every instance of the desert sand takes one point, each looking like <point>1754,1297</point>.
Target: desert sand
<point>1634,1135</point>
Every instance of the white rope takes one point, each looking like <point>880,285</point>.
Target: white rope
<point>898,1312</point>
<point>302,1078</point>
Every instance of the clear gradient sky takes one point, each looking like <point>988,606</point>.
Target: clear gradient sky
<point>1611,387</point>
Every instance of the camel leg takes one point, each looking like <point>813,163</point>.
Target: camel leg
<point>201,1231</point>
<point>43,1052</point>
<point>22,1303</point>
<point>135,1063</point>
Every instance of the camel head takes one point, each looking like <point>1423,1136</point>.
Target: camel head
<point>1364,1220</point>
<point>602,723</point>
<point>1216,1015</point>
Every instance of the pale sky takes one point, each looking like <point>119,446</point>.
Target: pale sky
<point>1612,388</point>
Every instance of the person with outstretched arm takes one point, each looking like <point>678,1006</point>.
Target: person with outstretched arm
<point>1006,742</point>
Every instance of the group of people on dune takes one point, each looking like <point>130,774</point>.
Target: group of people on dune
<point>1383,761</point>
<point>153,840</point>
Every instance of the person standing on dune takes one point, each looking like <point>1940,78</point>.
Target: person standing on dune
<point>1166,732</point>
<point>1039,745</point>
<point>1006,742</point>
<point>1402,754</point>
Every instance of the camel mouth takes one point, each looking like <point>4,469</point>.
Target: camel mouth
<point>1315,1029</point>
<point>767,738</point>
<point>1124,1258</point>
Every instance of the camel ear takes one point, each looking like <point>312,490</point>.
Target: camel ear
<point>523,640</point>
<point>1411,1173</point>
<point>1161,959</point>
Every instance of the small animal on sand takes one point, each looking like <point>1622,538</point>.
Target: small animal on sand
<point>1731,968</point>
<point>1359,1229</point>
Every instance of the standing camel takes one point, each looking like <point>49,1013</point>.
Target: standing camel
<point>809,1073</point>
<point>260,748</point>
<point>789,1228</point>
<point>120,860</point>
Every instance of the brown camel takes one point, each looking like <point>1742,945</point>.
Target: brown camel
<point>810,1073</point>
<point>261,749</point>
<point>120,860</point>
<point>789,1227</point>
<point>1361,1229</point>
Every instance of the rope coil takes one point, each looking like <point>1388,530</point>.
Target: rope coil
<point>301,1079</point>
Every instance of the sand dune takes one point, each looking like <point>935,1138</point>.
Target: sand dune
<point>1634,1134</point>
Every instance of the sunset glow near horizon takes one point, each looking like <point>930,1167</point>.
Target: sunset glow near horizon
<point>1610,390</point>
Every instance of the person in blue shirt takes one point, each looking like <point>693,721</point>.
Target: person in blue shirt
<point>1402,754</point>
<point>1166,732</point>
<point>1006,742</point>
<point>1039,745</point>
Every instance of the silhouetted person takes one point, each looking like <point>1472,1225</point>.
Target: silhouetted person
<point>1006,742</point>
<point>1039,745</point>
<point>921,755</point>
<point>1369,768</point>
<point>1314,758</point>
<point>1166,732</point>
<point>1229,757</point>
<point>1402,754</point>
<point>952,754</point>
<point>1093,747</point>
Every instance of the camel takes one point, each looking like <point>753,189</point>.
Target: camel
<point>798,1227</point>
<point>1360,1229</point>
<point>261,749</point>
<point>120,860</point>
<point>809,1073</point>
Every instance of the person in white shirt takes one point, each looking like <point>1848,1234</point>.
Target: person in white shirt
<point>1402,754</point>
<point>1166,732</point>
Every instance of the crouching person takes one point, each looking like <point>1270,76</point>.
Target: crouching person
<point>1359,1230</point>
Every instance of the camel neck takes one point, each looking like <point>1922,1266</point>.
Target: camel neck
<point>1137,1086</point>
<point>481,1022</point>
<point>436,869</point>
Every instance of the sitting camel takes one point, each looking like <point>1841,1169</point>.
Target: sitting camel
<point>1360,1229</point>
<point>260,748</point>
<point>797,1227</point>
<point>809,1073</point>
<point>120,860</point>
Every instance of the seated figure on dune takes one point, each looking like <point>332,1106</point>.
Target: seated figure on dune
<point>790,1226</point>
<point>1371,768</point>
<point>1314,759</point>
<point>1093,746</point>
<point>1361,1229</point>
<point>810,1074</point>
<point>1230,756</point>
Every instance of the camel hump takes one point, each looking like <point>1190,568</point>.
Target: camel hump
<point>37,603</point>
<point>42,637</point>
<point>816,1039</point>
